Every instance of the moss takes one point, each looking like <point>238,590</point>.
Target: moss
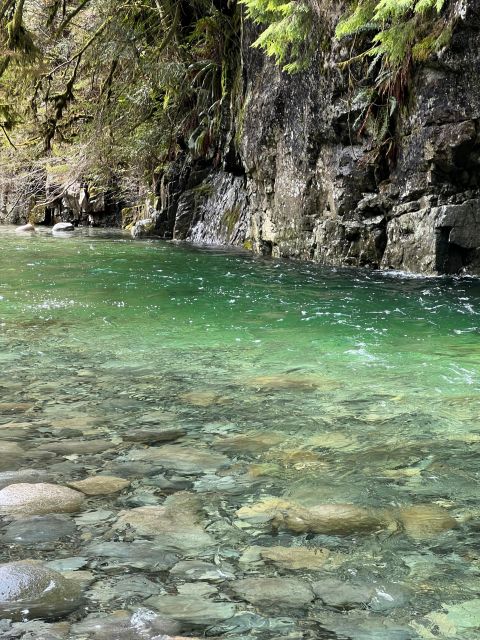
<point>248,245</point>
<point>230,218</point>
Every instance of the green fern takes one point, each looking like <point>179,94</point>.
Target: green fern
<point>287,31</point>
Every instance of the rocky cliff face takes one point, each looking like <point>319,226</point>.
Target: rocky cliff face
<point>300,184</point>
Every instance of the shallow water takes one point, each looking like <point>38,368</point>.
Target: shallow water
<point>364,388</point>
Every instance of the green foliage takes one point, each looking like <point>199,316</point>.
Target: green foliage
<point>392,36</point>
<point>287,32</point>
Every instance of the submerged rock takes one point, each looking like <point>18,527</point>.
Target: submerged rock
<point>37,499</point>
<point>274,592</point>
<point>184,459</point>
<point>28,589</point>
<point>191,610</point>
<point>423,521</point>
<point>330,519</point>
<point>137,555</point>
<point>295,557</point>
<point>38,529</point>
<point>141,624</point>
<point>154,436</point>
<point>29,476</point>
<point>80,447</point>
<point>198,570</point>
<point>291,382</point>
<point>176,525</point>
<point>100,485</point>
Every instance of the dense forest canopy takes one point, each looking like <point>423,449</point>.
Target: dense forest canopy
<point>112,91</point>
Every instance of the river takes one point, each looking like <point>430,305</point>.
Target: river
<point>296,448</point>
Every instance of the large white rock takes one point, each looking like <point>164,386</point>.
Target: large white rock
<point>63,227</point>
<point>36,499</point>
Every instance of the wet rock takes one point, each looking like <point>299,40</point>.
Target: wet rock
<point>30,476</point>
<point>142,624</point>
<point>176,524</point>
<point>253,444</point>
<point>12,408</point>
<point>274,592</point>
<point>79,447</point>
<point>422,522</point>
<point>291,382</point>
<point>137,555</point>
<point>131,588</point>
<point>362,625</point>
<point>39,529</point>
<point>197,570</point>
<point>295,558</point>
<point>245,621</point>
<point>62,227</point>
<point>170,484</point>
<point>204,398</point>
<point>38,630</point>
<point>454,620</point>
<point>12,453</point>
<point>330,519</point>
<point>99,485</point>
<point>154,436</point>
<point>185,459</point>
<point>343,595</point>
<point>37,499</point>
<point>25,228</point>
<point>191,610</point>
<point>28,589</point>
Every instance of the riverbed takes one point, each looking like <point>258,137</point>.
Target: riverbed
<point>247,448</point>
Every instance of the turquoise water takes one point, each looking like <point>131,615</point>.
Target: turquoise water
<point>363,387</point>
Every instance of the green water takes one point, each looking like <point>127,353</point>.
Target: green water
<point>367,383</point>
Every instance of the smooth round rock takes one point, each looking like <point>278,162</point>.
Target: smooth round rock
<point>37,499</point>
<point>62,227</point>
<point>30,590</point>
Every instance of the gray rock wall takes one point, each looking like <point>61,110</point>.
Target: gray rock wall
<point>311,189</point>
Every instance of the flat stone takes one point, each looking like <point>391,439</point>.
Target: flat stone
<point>23,476</point>
<point>253,443</point>
<point>185,459</point>
<point>343,595</point>
<point>291,382</point>
<point>176,524</point>
<point>295,557</point>
<point>197,570</point>
<point>99,485</point>
<point>28,589</point>
<point>12,408</point>
<point>204,398</point>
<point>37,499</point>
<point>125,589</point>
<point>274,592</point>
<point>154,436</point>
<point>192,611</point>
<point>38,529</point>
<point>141,624</point>
<point>79,447</point>
<point>137,555</point>
<point>423,522</point>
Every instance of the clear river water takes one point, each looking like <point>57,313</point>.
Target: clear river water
<point>299,446</point>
